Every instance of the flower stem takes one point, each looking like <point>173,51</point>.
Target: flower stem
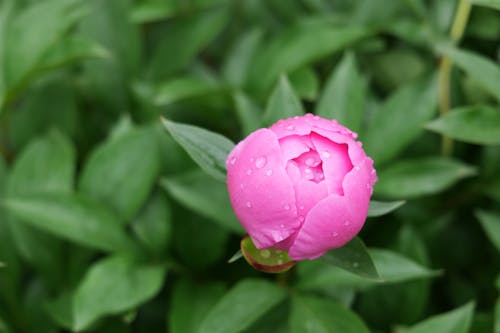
<point>456,33</point>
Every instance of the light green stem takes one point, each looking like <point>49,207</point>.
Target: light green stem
<point>456,33</point>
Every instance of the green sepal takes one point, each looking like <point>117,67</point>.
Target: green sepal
<point>266,260</point>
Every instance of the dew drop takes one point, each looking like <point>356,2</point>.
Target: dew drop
<point>233,160</point>
<point>265,253</point>
<point>347,222</point>
<point>269,172</point>
<point>335,234</point>
<point>260,162</point>
<point>242,186</point>
<point>368,185</point>
<point>301,208</point>
<point>325,154</point>
<point>290,127</point>
<point>287,207</point>
<point>249,172</point>
<point>356,168</point>
<point>248,204</point>
<point>310,161</point>
<point>282,226</point>
<point>355,264</point>
<point>359,143</point>
<point>280,262</point>
<point>301,218</point>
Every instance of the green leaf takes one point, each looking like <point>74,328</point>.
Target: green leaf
<point>379,208</point>
<point>112,286</point>
<point>24,47</point>
<point>314,314</point>
<point>237,63</point>
<point>106,80</point>
<point>391,267</point>
<point>50,104</point>
<point>152,10</point>
<point>249,114</point>
<point>455,321</point>
<point>496,324</point>
<point>305,82</point>
<point>241,306</point>
<point>491,226</point>
<point>121,172</point>
<point>46,165</point>
<point>209,150</point>
<point>71,217</point>
<point>298,46</point>
<point>343,97</point>
<point>72,49</point>
<point>473,124</point>
<point>153,225</point>
<point>353,257</point>
<point>197,242</point>
<point>184,87</point>
<point>282,104</point>
<point>187,35</point>
<point>420,177</point>
<point>484,71</point>
<point>400,120</point>
<point>495,4</point>
<point>204,196</point>
<point>394,267</point>
<point>190,303</point>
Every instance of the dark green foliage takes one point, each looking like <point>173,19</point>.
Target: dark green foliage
<point>116,118</point>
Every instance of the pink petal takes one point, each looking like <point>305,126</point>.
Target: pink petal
<point>325,228</point>
<point>261,193</point>
<point>336,162</point>
<point>335,220</point>
<point>293,146</point>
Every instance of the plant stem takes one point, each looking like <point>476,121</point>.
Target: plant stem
<point>456,33</point>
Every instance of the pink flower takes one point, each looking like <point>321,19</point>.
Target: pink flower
<point>302,186</point>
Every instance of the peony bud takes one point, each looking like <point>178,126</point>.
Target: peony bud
<point>302,186</point>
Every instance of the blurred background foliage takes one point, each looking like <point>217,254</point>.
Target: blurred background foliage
<point>107,225</point>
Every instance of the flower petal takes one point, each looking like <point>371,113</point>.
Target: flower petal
<point>329,224</point>
<point>336,162</point>
<point>253,168</point>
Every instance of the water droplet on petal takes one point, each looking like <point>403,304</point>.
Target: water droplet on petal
<point>290,127</point>
<point>359,143</point>
<point>356,168</point>
<point>287,207</point>
<point>347,222</point>
<point>310,161</point>
<point>252,159</point>
<point>368,185</point>
<point>265,253</point>
<point>282,226</point>
<point>335,234</point>
<point>301,218</point>
<point>248,204</point>
<point>260,162</point>
<point>242,186</point>
<point>269,172</point>
<point>301,208</point>
<point>325,154</point>
<point>233,160</point>
<point>249,172</point>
